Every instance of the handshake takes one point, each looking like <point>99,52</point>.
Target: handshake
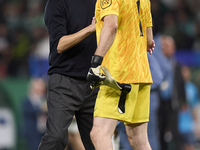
<point>96,78</point>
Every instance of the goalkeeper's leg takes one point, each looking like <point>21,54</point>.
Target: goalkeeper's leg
<point>102,132</point>
<point>137,136</point>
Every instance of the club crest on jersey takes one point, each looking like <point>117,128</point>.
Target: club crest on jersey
<point>105,3</point>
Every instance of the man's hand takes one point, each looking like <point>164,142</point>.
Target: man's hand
<point>94,76</point>
<point>150,48</point>
<point>93,25</point>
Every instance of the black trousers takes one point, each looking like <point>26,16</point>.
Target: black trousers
<point>168,121</point>
<point>67,97</point>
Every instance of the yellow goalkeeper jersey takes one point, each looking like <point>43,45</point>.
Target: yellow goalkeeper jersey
<point>127,58</point>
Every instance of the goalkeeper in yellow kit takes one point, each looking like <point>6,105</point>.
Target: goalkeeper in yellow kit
<point>124,33</point>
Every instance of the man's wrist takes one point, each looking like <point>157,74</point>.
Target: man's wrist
<point>96,61</point>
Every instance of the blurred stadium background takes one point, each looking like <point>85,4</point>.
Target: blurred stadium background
<point>24,53</point>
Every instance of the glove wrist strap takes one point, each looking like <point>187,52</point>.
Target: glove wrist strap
<point>96,61</point>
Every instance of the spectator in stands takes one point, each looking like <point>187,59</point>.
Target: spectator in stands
<point>38,57</point>
<point>172,96</point>
<point>188,116</point>
<point>35,112</point>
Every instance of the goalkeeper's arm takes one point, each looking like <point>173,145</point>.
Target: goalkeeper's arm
<point>107,35</point>
<point>107,38</point>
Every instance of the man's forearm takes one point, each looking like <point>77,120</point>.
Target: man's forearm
<point>149,36</point>
<point>108,34</point>
<point>68,41</point>
<point>106,40</point>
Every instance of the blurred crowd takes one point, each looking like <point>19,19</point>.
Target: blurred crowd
<point>24,48</point>
<point>23,38</point>
<point>179,19</point>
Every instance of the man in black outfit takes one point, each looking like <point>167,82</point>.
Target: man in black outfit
<point>71,28</point>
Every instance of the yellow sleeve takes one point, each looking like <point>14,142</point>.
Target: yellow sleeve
<point>148,15</point>
<point>108,7</point>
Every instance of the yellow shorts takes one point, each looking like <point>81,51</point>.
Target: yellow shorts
<point>136,106</point>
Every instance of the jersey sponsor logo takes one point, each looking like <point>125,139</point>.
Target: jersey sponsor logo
<point>105,3</point>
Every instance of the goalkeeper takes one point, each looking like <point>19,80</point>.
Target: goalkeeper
<point>124,34</point>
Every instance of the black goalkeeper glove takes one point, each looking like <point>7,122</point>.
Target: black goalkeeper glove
<point>94,76</point>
